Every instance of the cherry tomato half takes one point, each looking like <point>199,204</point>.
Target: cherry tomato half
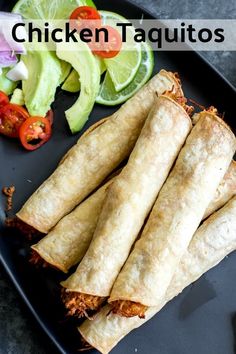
<point>108,49</point>
<point>11,118</point>
<point>81,17</point>
<point>3,99</point>
<point>35,132</point>
<point>50,116</point>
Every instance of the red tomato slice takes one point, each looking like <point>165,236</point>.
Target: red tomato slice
<point>111,48</point>
<point>11,118</point>
<point>50,116</point>
<point>81,17</point>
<point>3,99</point>
<point>35,132</point>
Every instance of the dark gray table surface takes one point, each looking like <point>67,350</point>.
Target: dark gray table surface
<point>19,333</point>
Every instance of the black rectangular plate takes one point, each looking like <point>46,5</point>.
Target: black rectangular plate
<point>200,320</point>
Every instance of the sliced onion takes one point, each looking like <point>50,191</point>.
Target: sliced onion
<point>4,46</point>
<point>7,59</point>
<point>7,21</point>
<point>19,72</point>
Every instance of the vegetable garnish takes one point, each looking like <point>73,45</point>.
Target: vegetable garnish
<point>3,99</point>
<point>8,44</point>
<point>9,47</point>
<point>111,48</point>
<point>88,17</point>
<point>35,132</point>
<point>82,14</point>
<point>11,118</point>
<point>19,72</point>
<point>7,58</point>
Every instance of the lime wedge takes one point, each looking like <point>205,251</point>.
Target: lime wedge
<point>44,9</point>
<point>109,97</point>
<point>124,66</point>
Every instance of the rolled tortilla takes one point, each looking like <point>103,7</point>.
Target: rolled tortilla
<point>178,210</point>
<point>94,157</point>
<point>128,202</point>
<point>213,241</point>
<point>69,240</point>
<point>225,191</point>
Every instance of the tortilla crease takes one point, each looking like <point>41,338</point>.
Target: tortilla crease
<point>178,211</point>
<point>94,157</point>
<point>69,240</point>
<point>131,197</point>
<point>225,191</point>
<point>211,243</point>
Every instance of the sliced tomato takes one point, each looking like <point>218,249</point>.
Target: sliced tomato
<point>3,99</point>
<point>108,49</point>
<point>50,116</point>
<point>35,132</point>
<point>11,118</point>
<point>84,16</point>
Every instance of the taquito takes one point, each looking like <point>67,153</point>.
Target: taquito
<point>225,191</point>
<point>69,240</point>
<point>94,157</point>
<point>127,204</point>
<point>212,242</point>
<point>177,212</point>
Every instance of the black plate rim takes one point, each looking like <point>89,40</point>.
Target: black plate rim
<point>29,306</point>
<point>5,266</point>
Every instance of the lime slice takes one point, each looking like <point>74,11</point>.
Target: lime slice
<point>124,66</point>
<point>108,95</point>
<point>44,9</point>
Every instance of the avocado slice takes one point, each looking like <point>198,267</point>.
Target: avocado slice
<point>83,61</point>
<point>6,85</point>
<point>65,71</point>
<point>45,72</point>
<point>72,83</point>
<point>18,97</point>
<point>101,64</point>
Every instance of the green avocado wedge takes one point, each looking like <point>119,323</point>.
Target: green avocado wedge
<point>44,75</point>
<point>83,61</point>
<point>72,83</point>
<point>18,97</point>
<point>65,71</point>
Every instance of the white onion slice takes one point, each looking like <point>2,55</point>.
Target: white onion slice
<point>19,72</point>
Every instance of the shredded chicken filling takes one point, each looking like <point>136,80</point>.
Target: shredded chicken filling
<point>24,228</point>
<point>127,308</point>
<point>8,192</point>
<point>37,260</point>
<point>79,304</point>
<point>181,100</point>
